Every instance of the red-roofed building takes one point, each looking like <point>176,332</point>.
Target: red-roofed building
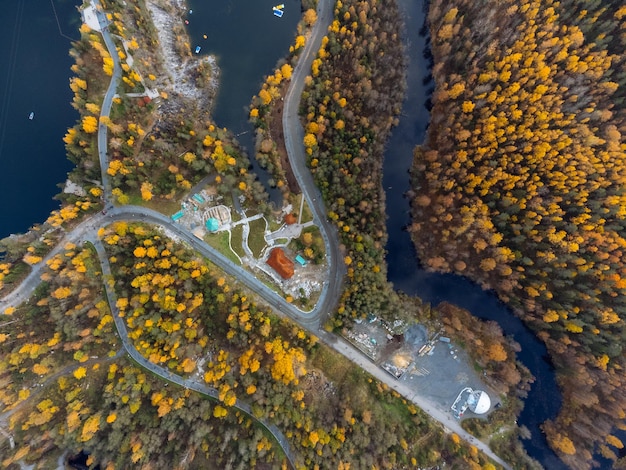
<point>280,263</point>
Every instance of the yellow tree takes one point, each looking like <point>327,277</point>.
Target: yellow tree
<point>286,70</point>
<point>90,124</point>
<point>310,17</point>
<point>146,191</point>
<point>91,426</point>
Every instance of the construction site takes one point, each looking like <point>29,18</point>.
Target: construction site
<point>425,360</point>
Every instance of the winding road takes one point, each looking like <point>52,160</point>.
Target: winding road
<point>166,374</point>
<point>332,289</point>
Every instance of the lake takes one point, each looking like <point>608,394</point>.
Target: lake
<point>34,77</point>
<point>248,40</point>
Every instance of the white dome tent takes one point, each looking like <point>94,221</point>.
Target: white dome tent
<point>479,402</point>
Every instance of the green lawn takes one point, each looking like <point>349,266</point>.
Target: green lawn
<point>274,225</point>
<point>219,241</point>
<point>164,206</point>
<point>307,215</point>
<point>228,202</point>
<point>256,238</point>
<point>236,239</point>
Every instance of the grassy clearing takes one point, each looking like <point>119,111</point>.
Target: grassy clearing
<point>228,202</point>
<point>236,239</point>
<point>273,225</point>
<point>219,241</point>
<point>335,366</point>
<point>164,206</point>
<point>307,215</point>
<point>256,239</point>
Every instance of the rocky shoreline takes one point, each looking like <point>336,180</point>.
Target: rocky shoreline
<point>187,73</point>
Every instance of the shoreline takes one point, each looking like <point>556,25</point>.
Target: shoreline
<point>180,68</point>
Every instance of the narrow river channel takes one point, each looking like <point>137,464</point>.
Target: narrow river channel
<point>405,271</point>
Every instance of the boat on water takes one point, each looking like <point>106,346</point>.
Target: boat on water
<point>31,116</point>
<point>198,49</point>
<point>279,10</point>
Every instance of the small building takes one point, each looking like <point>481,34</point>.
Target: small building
<point>301,261</point>
<point>290,219</point>
<point>212,224</point>
<point>280,263</point>
<point>178,215</point>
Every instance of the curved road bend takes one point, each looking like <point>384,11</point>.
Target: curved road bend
<point>294,136</point>
<point>86,232</point>
<point>89,227</point>
<point>166,374</point>
<point>332,290</point>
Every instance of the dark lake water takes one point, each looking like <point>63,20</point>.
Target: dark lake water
<point>248,40</point>
<point>34,77</point>
<point>407,275</point>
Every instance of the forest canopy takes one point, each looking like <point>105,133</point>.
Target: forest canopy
<point>520,185</point>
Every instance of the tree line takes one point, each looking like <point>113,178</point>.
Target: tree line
<point>521,186</point>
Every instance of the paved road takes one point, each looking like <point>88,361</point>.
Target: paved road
<point>105,109</point>
<point>166,374</point>
<point>294,135</point>
<point>443,416</point>
<point>331,292</point>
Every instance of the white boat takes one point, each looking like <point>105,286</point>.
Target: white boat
<point>198,49</point>
<point>31,116</point>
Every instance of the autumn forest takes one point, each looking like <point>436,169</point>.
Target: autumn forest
<point>97,358</point>
<point>136,348</point>
<point>521,186</point>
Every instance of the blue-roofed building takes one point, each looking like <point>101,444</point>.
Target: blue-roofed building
<point>212,224</point>
<point>301,261</point>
